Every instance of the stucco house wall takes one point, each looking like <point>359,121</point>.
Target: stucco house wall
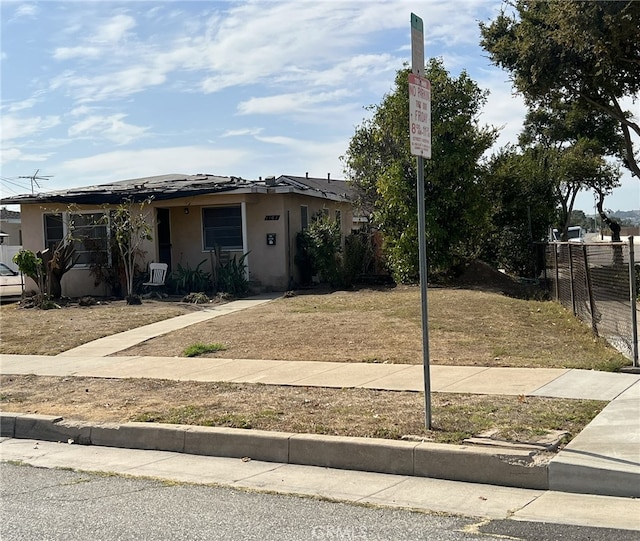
<point>270,266</point>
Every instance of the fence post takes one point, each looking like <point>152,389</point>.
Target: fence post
<point>634,294</point>
<point>592,301</point>
<point>571,281</point>
<point>557,273</point>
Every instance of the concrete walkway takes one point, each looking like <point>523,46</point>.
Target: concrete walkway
<point>603,459</point>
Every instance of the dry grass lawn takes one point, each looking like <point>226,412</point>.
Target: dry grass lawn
<point>346,412</point>
<point>49,332</point>
<point>467,327</point>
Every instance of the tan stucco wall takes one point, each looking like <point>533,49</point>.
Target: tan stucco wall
<point>78,281</point>
<point>270,266</point>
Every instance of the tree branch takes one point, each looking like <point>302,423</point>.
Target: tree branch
<point>617,113</point>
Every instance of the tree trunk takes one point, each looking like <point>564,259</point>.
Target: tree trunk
<point>54,285</point>
<point>612,224</point>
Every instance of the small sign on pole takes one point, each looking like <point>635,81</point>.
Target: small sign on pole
<point>420,116</point>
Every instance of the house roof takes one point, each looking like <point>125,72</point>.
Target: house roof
<point>174,186</point>
<point>6,214</point>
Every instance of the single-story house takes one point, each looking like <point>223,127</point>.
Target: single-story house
<point>190,216</point>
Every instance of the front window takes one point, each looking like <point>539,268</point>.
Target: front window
<point>88,231</point>
<point>222,228</point>
<point>90,238</point>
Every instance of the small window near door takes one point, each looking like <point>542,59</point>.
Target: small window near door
<point>222,228</point>
<point>339,218</point>
<point>304,217</point>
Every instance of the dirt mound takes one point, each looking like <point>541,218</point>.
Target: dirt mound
<point>481,276</point>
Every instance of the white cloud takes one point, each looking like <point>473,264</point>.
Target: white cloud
<point>110,127</point>
<point>128,81</point>
<point>315,157</point>
<point>81,110</point>
<point>276,43</point>
<point>124,164</point>
<point>114,30</point>
<point>14,127</point>
<point>16,155</point>
<point>19,105</point>
<point>81,51</point>
<point>289,103</point>
<point>241,132</point>
<point>25,10</point>
<point>101,38</point>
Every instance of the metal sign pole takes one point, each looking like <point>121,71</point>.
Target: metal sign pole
<point>422,253</point>
<point>420,137</point>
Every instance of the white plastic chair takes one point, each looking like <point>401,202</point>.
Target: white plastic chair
<point>157,275</point>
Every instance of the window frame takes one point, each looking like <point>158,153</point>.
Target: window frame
<point>238,229</point>
<point>68,234</point>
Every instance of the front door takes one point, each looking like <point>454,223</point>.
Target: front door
<point>164,236</point>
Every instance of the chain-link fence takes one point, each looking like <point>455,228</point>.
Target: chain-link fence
<point>598,283</point>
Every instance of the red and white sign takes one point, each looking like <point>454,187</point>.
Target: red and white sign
<point>420,116</point>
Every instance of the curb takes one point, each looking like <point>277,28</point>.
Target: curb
<point>508,467</point>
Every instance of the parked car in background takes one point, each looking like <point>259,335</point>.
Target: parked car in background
<point>10,282</point>
<point>5,270</point>
<point>575,232</point>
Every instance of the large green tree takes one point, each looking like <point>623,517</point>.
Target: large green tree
<point>379,164</point>
<point>523,209</point>
<point>581,52</point>
<point>566,145</point>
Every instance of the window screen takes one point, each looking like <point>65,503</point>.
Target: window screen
<point>222,228</point>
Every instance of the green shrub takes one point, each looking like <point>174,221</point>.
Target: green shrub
<point>232,277</point>
<point>186,280</point>
<point>321,245</point>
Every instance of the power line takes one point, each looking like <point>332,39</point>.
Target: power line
<point>6,188</point>
<point>13,182</point>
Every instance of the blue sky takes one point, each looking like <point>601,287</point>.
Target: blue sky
<point>97,91</point>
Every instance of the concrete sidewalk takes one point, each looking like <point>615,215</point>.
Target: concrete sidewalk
<point>603,459</point>
<point>550,382</point>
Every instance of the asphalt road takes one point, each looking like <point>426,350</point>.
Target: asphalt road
<point>47,504</point>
